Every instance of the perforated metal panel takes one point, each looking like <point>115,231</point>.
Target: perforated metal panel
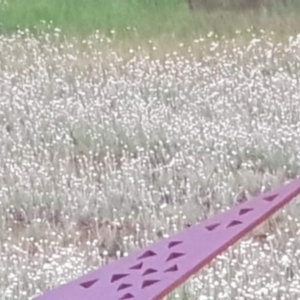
<point>152,273</point>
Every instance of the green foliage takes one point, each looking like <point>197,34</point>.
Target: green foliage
<point>85,16</point>
<point>147,17</point>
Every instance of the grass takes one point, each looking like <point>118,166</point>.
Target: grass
<point>105,151</point>
<point>74,15</point>
<point>147,18</point>
<point>124,121</point>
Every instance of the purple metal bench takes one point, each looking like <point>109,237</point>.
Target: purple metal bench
<point>153,272</point>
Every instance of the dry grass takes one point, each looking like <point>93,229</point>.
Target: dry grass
<point>103,152</point>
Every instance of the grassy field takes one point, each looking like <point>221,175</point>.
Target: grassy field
<point>103,153</point>
<point>150,18</point>
<point>114,137</point>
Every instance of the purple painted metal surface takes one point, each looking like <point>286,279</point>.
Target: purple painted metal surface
<point>153,272</point>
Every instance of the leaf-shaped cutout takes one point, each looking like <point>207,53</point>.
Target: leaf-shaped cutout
<point>174,255</point>
<point>124,286</point>
<point>234,223</point>
<point>172,269</point>
<point>244,211</point>
<point>147,254</point>
<point>147,283</point>
<point>212,227</point>
<point>149,271</point>
<point>174,243</point>
<point>137,267</point>
<point>127,296</point>
<point>270,198</point>
<point>117,277</point>
<point>88,284</point>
